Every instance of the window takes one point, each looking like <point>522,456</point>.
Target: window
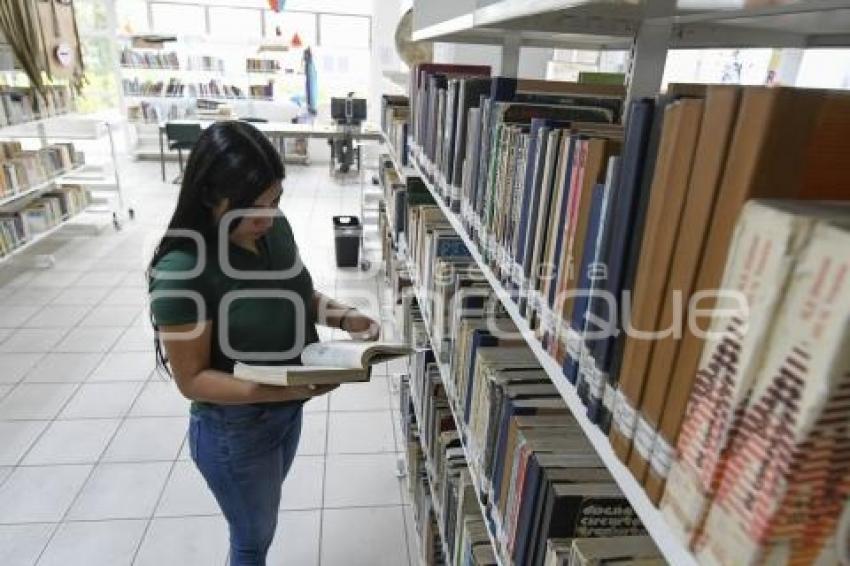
<point>290,23</point>
<point>344,31</point>
<point>236,22</point>
<point>132,16</point>
<point>179,19</point>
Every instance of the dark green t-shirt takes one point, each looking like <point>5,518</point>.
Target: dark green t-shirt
<point>260,304</point>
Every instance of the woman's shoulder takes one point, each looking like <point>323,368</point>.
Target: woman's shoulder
<point>179,269</point>
<point>178,260</point>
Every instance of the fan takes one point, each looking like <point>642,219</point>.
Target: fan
<point>411,52</point>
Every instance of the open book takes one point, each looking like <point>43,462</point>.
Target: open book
<point>335,361</point>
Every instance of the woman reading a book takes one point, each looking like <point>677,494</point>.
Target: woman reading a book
<point>227,284</point>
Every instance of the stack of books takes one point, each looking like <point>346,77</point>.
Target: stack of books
<point>19,105</point>
<point>395,121</point>
<point>205,63</point>
<point>136,59</point>
<point>761,470</point>
<point>24,170</point>
<point>253,65</point>
<point>40,215</point>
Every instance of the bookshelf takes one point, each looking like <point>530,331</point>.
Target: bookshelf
<point>656,526</point>
<point>648,29</point>
<point>452,404</point>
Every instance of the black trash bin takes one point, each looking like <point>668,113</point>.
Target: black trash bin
<point>347,232</point>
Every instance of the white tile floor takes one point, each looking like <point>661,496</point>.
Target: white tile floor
<point>94,468</point>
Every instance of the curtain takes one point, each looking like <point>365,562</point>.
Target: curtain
<point>18,24</point>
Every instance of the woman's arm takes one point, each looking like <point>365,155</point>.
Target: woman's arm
<point>332,313</point>
<point>189,359</point>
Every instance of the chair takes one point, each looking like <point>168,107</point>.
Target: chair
<point>181,136</point>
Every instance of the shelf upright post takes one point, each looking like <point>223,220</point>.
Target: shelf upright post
<point>649,50</point>
<point>510,55</point>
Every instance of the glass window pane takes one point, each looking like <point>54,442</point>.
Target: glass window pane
<point>132,16</point>
<point>236,22</point>
<point>91,15</point>
<point>179,19</point>
<point>286,24</point>
<point>344,31</point>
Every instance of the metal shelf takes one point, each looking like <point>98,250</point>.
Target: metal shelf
<point>655,524</point>
<point>611,24</point>
<point>41,236</point>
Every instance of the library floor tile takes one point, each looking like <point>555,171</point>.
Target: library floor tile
<point>186,493</point>
<point>32,296</point>
<point>371,396</point>
<point>13,317</point>
<point>365,535</point>
<point>5,389</point>
<point>94,543</point>
<point>101,279</point>
<point>13,367</point>
<point>33,340</point>
<point>136,338</point>
<point>314,432</point>
<point>296,541</point>
<point>124,366</point>
<point>5,471</point>
<point>187,541</point>
<point>22,544</point>
<point>55,278</point>
<point>72,442</point>
<point>5,333</point>
<point>35,494</point>
<point>57,316</point>
<point>160,398</point>
<point>147,439</point>
<point>360,433</point>
<point>63,368</point>
<point>302,488</point>
<point>121,491</point>
<point>18,437</point>
<point>111,315</point>
<point>90,339</point>
<point>131,296</point>
<point>36,400</point>
<point>101,400</point>
<point>81,296</point>
<point>317,405</point>
<point>361,480</point>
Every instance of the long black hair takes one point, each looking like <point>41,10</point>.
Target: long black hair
<point>231,160</point>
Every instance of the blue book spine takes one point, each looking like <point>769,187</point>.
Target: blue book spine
<point>588,256</point>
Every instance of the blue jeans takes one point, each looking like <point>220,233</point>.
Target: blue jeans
<point>244,453</point>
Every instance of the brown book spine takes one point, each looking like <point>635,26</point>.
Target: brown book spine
<point>721,106</point>
<point>667,197</point>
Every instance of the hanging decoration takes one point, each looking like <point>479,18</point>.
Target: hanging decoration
<point>277,5</point>
<point>296,41</point>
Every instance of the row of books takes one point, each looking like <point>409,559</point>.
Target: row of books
<point>265,91</point>
<point>395,118</point>
<point>253,65</point>
<point>583,220</point>
<point>536,472</point>
<point>23,170</point>
<point>19,105</point>
<point>42,214</point>
<point>154,113</point>
<point>399,193</point>
<point>149,59</point>
<point>176,88</point>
